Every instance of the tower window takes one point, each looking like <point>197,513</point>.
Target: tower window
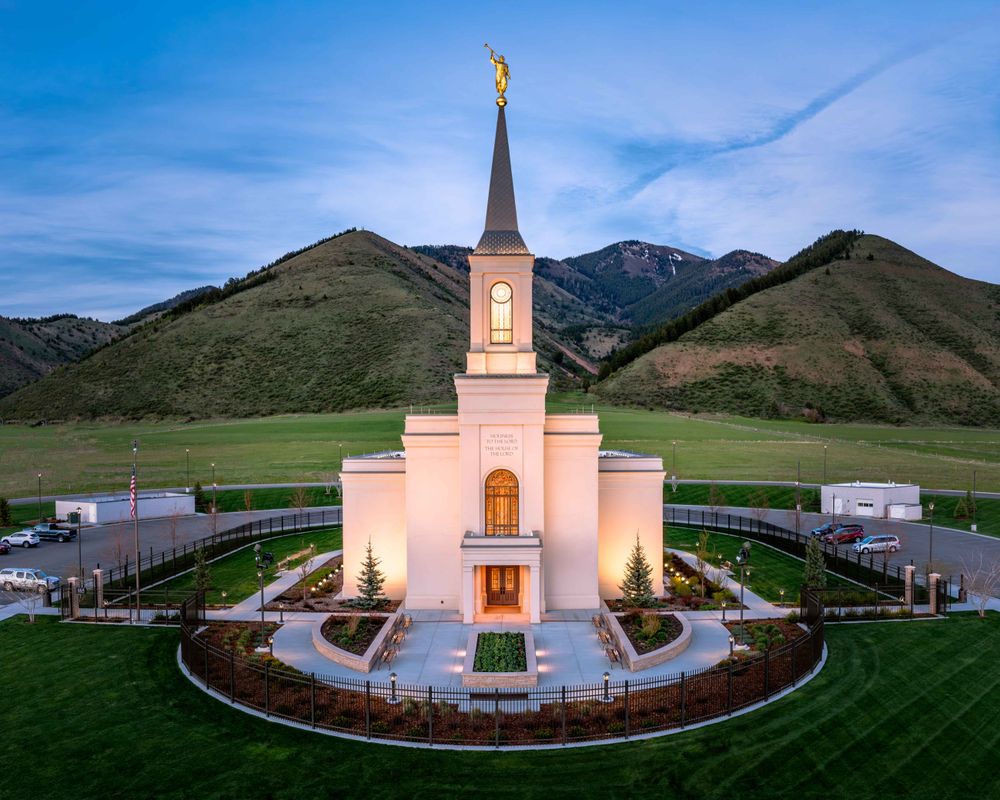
<point>501,314</point>
<point>501,503</point>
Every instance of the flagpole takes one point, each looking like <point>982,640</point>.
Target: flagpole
<point>135,519</point>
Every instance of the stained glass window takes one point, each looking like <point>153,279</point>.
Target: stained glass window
<point>501,503</point>
<point>501,314</point>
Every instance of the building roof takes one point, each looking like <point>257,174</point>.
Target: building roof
<point>870,485</point>
<point>501,236</point>
<point>381,454</point>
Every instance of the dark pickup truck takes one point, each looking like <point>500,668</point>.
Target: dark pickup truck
<point>50,533</point>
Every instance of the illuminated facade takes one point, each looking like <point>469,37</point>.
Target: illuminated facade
<point>501,509</point>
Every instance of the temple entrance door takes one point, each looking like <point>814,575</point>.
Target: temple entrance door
<point>502,586</point>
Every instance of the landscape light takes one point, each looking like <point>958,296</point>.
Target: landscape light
<point>393,699</point>
<point>732,640</point>
<point>607,698</point>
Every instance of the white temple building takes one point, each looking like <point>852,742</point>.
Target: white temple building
<point>501,509</point>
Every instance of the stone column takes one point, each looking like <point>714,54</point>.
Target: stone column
<point>908,571</point>
<point>536,594</point>
<point>468,594</point>
<point>932,587</point>
<point>74,597</point>
<point>98,588</point>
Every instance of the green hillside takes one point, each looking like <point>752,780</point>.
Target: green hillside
<point>354,322</point>
<point>883,335</point>
<point>31,348</point>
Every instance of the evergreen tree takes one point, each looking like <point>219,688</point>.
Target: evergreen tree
<point>202,573</point>
<point>961,508</point>
<point>970,502</point>
<point>370,581</point>
<point>6,518</point>
<point>637,588</point>
<point>814,575</point>
<point>199,497</point>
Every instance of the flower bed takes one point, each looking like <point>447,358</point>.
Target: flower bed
<point>765,633</point>
<point>650,631</point>
<point>685,587</point>
<point>353,632</point>
<point>500,652</point>
<point>242,639</point>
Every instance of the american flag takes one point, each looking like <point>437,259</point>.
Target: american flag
<point>131,493</point>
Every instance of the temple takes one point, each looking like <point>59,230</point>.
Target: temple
<point>501,511</point>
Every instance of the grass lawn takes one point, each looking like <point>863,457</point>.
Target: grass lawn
<point>235,499</point>
<point>237,573</point>
<point>987,513</point>
<point>770,570</point>
<point>79,457</point>
<point>919,692</point>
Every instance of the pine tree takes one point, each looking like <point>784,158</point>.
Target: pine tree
<point>970,502</point>
<point>370,581</point>
<point>814,575</point>
<point>6,518</point>
<point>202,572</point>
<point>961,508</point>
<point>637,588</point>
<point>199,497</point>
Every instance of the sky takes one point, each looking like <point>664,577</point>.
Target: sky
<point>147,148</point>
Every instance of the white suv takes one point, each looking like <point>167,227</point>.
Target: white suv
<point>22,539</point>
<point>877,544</point>
<point>19,579</point>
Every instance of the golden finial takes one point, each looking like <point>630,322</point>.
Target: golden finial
<point>503,74</point>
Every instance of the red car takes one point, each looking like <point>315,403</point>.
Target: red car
<point>4,548</point>
<point>846,534</point>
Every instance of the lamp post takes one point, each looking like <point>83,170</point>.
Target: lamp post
<point>824,464</point>
<point>673,467</point>
<point>39,497</point>
<point>798,499</point>
<point>607,698</point>
<point>723,610</point>
<point>187,484</point>
<point>393,698</point>
<point>270,646</point>
<point>340,453</point>
<point>782,593</point>
<point>214,507</point>
<point>260,578</point>
<point>79,542</point>
<point>930,546</point>
<point>135,530</point>
<point>974,501</point>
<point>732,641</point>
<point>743,558</point>
<point>225,594</point>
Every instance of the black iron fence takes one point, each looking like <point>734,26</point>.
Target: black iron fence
<point>869,569</point>
<point>499,717</point>
<point>173,561</point>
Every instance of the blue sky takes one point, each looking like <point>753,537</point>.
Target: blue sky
<point>146,148</point>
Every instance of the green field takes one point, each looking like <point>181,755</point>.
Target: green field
<point>770,570</point>
<point>237,573</point>
<point>916,692</point>
<point>81,457</point>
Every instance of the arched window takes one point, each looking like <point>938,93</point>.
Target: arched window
<point>501,503</point>
<point>501,314</point>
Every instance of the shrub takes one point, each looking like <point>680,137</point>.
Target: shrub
<point>576,732</point>
<point>616,727</point>
<point>651,625</point>
<point>544,733</point>
<point>380,726</point>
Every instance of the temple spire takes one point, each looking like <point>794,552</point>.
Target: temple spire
<point>501,237</point>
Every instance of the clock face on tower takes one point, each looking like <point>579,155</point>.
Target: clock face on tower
<point>500,293</point>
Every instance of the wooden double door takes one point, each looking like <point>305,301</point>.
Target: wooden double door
<point>502,585</point>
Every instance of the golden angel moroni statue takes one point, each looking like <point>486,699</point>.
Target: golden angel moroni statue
<point>503,74</point>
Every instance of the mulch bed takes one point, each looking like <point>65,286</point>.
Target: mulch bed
<point>325,583</point>
<point>336,630</point>
<point>789,630</point>
<point>641,633</point>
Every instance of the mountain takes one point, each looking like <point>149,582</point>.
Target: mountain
<point>31,348</point>
<point>879,335</point>
<point>143,314</point>
<point>353,322</point>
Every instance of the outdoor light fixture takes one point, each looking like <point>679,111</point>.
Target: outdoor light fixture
<point>270,646</point>
<point>225,594</point>
<point>393,698</point>
<point>607,698</point>
<point>782,593</point>
<point>281,612</point>
<point>732,641</point>
<point>723,610</point>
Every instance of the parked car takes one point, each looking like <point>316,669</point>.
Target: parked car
<point>4,548</point>
<point>824,529</point>
<point>878,544</point>
<point>21,539</point>
<point>22,579</point>
<point>846,534</point>
<point>51,532</point>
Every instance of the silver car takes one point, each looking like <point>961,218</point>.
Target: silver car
<point>21,579</point>
<point>22,539</point>
<point>877,544</point>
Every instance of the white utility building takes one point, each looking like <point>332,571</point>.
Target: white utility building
<point>110,508</point>
<point>878,500</point>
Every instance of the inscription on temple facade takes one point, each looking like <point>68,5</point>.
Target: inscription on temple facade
<point>502,444</point>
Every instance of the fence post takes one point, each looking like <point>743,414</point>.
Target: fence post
<point>767,673</point>
<point>312,699</point>
<point>368,709</point>
<point>932,590</point>
<point>430,716</point>
<point>496,717</point>
<point>232,676</point>
<point>563,714</point>
<point>267,688</point>
<point>683,700</point>
<point>627,720</point>
<point>729,702</point>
